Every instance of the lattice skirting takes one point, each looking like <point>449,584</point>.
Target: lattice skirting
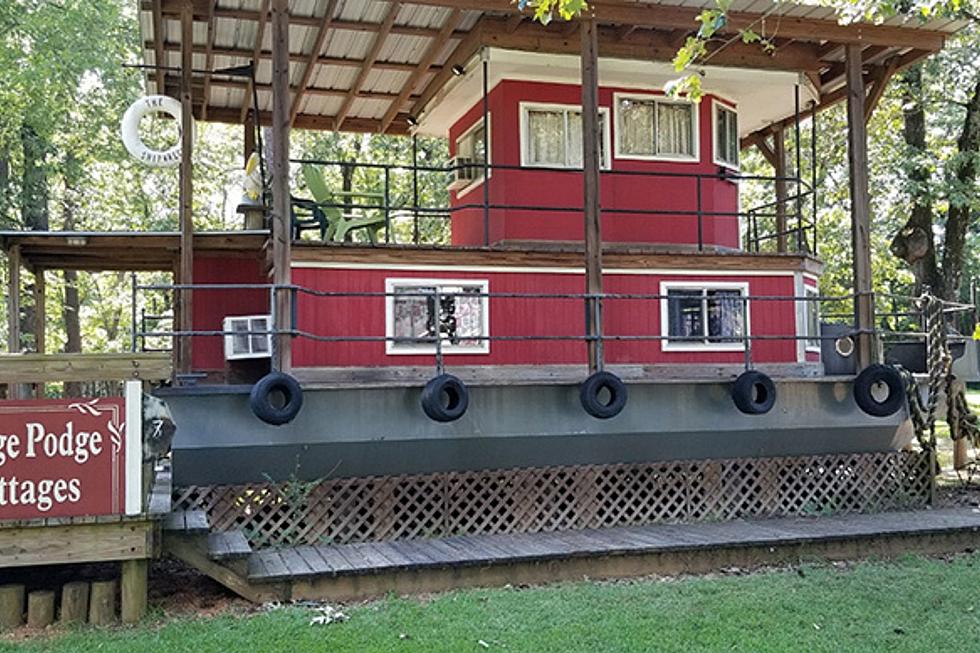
<point>562,498</point>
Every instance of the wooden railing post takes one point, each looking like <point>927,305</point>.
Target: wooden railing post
<point>591,160</point>
<point>184,344</point>
<point>281,231</point>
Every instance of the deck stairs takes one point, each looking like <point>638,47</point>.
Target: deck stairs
<point>356,571</point>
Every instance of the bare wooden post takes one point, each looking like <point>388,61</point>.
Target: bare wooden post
<point>590,172</point>
<point>40,608</point>
<point>14,390</point>
<point>74,602</point>
<point>857,147</point>
<point>281,223</point>
<point>134,581</point>
<point>249,140</point>
<point>102,606</point>
<point>184,344</point>
<point>11,606</point>
<point>779,166</point>
<point>40,321</point>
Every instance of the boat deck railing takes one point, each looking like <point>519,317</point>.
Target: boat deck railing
<point>902,322</point>
<point>409,204</point>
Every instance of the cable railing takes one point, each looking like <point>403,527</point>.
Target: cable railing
<point>390,203</point>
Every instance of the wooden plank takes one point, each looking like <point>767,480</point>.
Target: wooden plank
<point>591,162</point>
<point>40,311</point>
<point>73,543</point>
<point>185,313</point>
<point>295,563</point>
<point>13,299</point>
<point>281,225</point>
<point>228,545</point>
<point>857,150</point>
<point>175,521</point>
<point>270,563</point>
<point>41,368</point>
<point>332,556</point>
<point>133,590</point>
<point>159,59</point>
<point>208,57</point>
<point>312,557</point>
<point>196,521</point>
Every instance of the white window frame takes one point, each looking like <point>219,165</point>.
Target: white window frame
<point>526,107</point>
<point>469,130</point>
<point>717,106</point>
<point>811,291</point>
<point>393,348</point>
<point>229,338</point>
<point>660,99</point>
<point>701,286</point>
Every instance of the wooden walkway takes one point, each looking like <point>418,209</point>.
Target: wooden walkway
<point>480,550</point>
<point>372,569</point>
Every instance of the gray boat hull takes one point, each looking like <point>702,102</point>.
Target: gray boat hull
<point>383,431</point>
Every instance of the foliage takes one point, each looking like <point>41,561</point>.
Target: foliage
<point>545,10</point>
<point>914,604</point>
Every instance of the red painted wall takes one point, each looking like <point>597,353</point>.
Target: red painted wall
<point>212,306</point>
<point>365,316</point>
<point>530,187</point>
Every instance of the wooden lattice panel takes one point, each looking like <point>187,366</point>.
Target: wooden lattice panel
<point>562,498</point>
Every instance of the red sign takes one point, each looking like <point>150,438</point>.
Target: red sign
<point>62,458</point>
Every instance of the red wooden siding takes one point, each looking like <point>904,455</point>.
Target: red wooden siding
<point>365,316</point>
<point>212,306</point>
<point>529,187</point>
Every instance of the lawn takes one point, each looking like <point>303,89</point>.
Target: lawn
<point>916,604</point>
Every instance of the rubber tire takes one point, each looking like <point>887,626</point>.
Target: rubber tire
<point>744,393</point>
<point>589,395</point>
<point>262,407</point>
<point>432,394</point>
<point>868,378</point>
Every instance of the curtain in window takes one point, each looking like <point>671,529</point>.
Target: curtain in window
<point>636,127</point>
<point>573,151</point>
<point>546,137</point>
<point>726,135</point>
<point>685,314</point>
<point>413,315</point>
<point>674,129</point>
<point>724,315</point>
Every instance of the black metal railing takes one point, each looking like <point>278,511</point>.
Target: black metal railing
<point>404,214</point>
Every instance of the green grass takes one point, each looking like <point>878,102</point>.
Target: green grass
<point>915,604</point>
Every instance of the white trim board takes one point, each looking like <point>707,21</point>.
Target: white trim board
<point>134,447</point>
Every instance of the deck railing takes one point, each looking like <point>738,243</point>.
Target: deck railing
<point>411,205</point>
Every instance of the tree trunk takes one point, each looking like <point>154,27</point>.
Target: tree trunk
<point>965,170</point>
<point>914,243</point>
<point>71,304</point>
<point>34,189</point>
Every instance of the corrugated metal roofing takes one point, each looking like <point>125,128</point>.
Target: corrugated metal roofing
<point>353,34</point>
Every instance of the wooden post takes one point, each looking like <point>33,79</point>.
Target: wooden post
<point>74,602</point>
<point>779,166</point>
<point>281,224</point>
<point>857,148</point>
<point>11,606</point>
<point>249,140</point>
<point>40,609</point>
<point>102,606</point>
<point>13,300</point>
<point>134,581</point>
<point>591,160</point>
<point>184,344</point>
<point>40,322</point>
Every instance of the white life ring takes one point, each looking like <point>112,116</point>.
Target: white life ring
<point>130,130</point>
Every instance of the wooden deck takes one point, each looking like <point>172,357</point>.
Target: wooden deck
<point>364,570</point>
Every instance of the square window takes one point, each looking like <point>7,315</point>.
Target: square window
<point>726,143</point>
<point>649,127</point>
<point>708,317</point>
<point>551,136</point>
<point>415,324</point>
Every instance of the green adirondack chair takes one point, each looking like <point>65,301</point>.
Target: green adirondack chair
<point>338,224</point>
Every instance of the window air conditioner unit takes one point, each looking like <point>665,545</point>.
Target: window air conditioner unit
<point>246,336</point>
<point>465,170</point>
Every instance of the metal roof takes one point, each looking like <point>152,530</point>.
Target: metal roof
<point>414,56</point>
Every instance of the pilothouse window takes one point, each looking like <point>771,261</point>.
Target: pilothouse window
<point>655,128</point>
<point>704,317</point>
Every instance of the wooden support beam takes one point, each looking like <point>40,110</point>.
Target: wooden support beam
<point>159,57</point>
<point>591,161</point>
<point>256,54</point>
<point>50,368</point>
<point>857,151</point>
<point>369,59</point>
<point>464,50</point>
<point>763,146</point>
<point>133,591</point>
<point>310,65</point>
<point>248,142</point>
<point>408,88</point>
<point>779,170</point>
<point>40,312</point>
<point>13,299</point>
<point>879,82</point>
<point>184,344</point>
<point>281,223</point>
<point>208,58</point>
